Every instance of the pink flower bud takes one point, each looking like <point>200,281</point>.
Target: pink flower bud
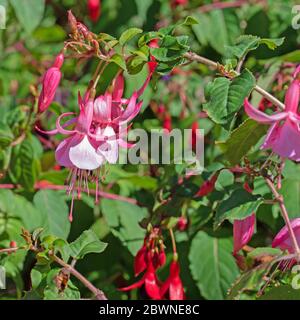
<point>162,257</point>
<point>59,60</point>
<point>182,223</point>
<point>51,81</point>
<point>242,232</point>
<point>208,186</point>
<point>247,187</point>
<point>94,9</point>
<point>13,244</point>
<point>167,125</point>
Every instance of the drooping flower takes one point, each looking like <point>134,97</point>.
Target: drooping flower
<point>194,136</point>
<point>283,241</point>
<point>208,186</point>
<point>173,285</point>
<point>182,223</point>
<point>242,232</point>
<point>284,134</point>
<point>50,82</point>
<point>96,134</point>
<point>150,281</point>
<point>94,9</point>
<point>150,257</point>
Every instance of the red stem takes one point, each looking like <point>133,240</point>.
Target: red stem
<point>59,187</point>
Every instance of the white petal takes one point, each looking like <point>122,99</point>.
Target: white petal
<point>84,155</point>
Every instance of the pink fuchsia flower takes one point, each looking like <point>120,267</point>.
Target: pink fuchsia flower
<point>173,285</point>
<point>50,82</point>
<point>242,232</point>
<point>284,134</point>
<point>94,9</point>
<point>282,239</point>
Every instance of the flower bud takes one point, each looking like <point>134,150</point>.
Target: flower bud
<point>51,81</point>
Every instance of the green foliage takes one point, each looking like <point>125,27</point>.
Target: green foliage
<point>87,242</point>
<point>239,205</point>
<point>225,97</point>
<point>241,140</point>
<point>213,267</point>
<point>29,13</point>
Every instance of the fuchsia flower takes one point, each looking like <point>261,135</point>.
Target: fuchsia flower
<point>282,239</point>
<point>97,133</point>
<point>94,9</point>
<point>284,134</point>
<point>242,232</point>
<point>150,257</point>
<point>150,281</point>
<point>173,285</point>
<point>50,83</point>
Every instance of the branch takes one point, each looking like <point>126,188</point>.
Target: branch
<point>8,250</point>
<point>97,292</point>
<point>59,187</point>
<point>280,200</point>
<point>225,5</point>
<point>194,57</point>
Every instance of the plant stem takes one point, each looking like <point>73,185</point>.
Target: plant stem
<point>8,250</point>
<point>225,5</point>
<point>59,187</point>
<point>194,57</point>
<point>97,292</point>
<point>173,241</point>
<point>280,200</point>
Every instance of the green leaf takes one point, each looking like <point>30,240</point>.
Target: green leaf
<point>6,135</point>
<point>135,64</point>
<point>241,140</point>
<point>212,265</point>
<point>283,292</point>
<point>128,35</point>
<point>239,205</point>
<point>251,280</point>
<point>118,59</point>
<point>142,8</point>
<point>291,199</point>
<point>246,43</point>
<point>265,251</point>
<point>54,211</point>
<point>49,34</point>
<point>226,97</point>
<point>28,162</point>
<point>29,13</point>
<point>189,21</point>
<point>217,28</point>
<point>167,55</point>
<point>88,242</point>
<point>272,43</point>
<point>123,218</point>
